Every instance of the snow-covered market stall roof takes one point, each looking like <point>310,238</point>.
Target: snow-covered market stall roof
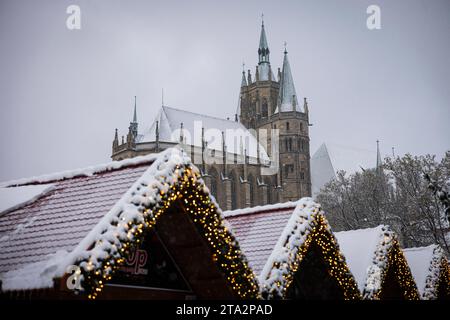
<point>92,219</point>
<point>278,241</point>
<point>378,264</point>
<point>431,271</point>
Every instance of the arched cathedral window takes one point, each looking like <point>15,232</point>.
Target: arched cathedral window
<point>264,109</point>
<point>251,182</point>
<point>288,144</point>
<point>214,182</point>
<point>234,182</point>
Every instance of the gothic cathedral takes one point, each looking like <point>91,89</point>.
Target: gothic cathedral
<point>268,103</point>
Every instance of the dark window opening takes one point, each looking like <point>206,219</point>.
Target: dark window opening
<point>289,144</point>
<point>252,191</point>
<point>150,265</point>
<point>390,289</point>
<point>233,193</point>
<point>265,109</point>
<point>214,178</point>
<point>312,280</point>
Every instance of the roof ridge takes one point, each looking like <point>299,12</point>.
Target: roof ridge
<point>260,209</point>
<point>85,171</point>
<point>203,115</point>
<point>361,229</point>
<point>434,246</point>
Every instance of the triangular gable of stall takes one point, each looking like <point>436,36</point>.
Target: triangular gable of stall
<point>378,264</point>
<point>284,235</point>
<point>429,267</point>
<point>149,272</point>
<point>168,196</point>
<point>171,197</point>
<point>38,236</point>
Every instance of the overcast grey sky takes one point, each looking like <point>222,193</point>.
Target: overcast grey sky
<point>63,92</point>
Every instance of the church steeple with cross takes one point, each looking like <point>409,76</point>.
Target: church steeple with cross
<point>267,103</point>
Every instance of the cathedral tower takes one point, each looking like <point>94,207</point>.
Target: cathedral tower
<point>258,96</point>
<point>266,103</point>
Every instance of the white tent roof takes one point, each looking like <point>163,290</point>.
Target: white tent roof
<point>330,158</point>
<point>358,247</point>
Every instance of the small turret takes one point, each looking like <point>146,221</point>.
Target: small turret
<point>244,81</point>
<point>115,141</point>
<point>133,129</point>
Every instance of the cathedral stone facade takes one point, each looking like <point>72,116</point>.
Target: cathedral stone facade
<point>239,169</point>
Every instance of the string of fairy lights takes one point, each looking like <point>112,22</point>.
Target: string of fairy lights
<point>395,259</point>
<point>321,235</point>
<point>203,211</point>
<point>444,279</point>
<point>187,187</point>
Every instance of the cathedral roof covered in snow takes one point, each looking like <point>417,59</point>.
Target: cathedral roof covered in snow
<point>91,216</point>
<point>237,138</point>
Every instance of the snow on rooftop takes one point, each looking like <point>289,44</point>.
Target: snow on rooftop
<point>237,138</point>
<point>425,263</point>
<point>359,247</point>
<point>287,97</point>
<point>331,158</point>
<point>34,275</point>
<point>291,240</point>
<point>15,197</point>
<point>257,209</point>
<point>53,238</point>
<point>258,229</point>
<point>82,172</point>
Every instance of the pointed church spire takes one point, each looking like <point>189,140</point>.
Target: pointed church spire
<point>287,97</point>
<point>263,69</point>
<point>135,114</point>
<point>157,136</point>
<point>379,163</point>
<point>244,80</point>
<point>115,141</point>
<point>263,50</point>
<point>133,129</point>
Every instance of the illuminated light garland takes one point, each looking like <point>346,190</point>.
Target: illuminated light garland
<point>316,230</point>
<point>389,255</point>
<point>395,259</point>
<point>437,271</point>
<point>445,277</point>
<point>188,188</point>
